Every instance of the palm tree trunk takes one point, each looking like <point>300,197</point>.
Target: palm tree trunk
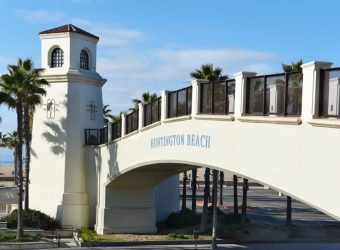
<point>289,212</point>
<point>193,190</point>
<point>204,219</point>
<point>235,195</point>
<point>184,193</point>
<point>28,153</point>
<point>20,225</point>
<point>214,227</point>
<point>244,203</point>
<point>221,187</point>
<point>15,155</point>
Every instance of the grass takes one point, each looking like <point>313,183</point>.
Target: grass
<point>11,237</point>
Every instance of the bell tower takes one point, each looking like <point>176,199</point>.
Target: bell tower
<point>72,104</point>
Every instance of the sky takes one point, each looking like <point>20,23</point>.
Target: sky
<point>153,45</point>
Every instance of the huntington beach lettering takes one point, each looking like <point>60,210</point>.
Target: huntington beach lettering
<point>191,140</point>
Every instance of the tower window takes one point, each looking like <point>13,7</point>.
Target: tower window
<point>57,58</point>
<point>84,60</point>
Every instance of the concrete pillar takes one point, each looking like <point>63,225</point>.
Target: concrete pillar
<point>109,131</point>
<point>123,124</point>
<point>140,116</point>
<point>164,105</point>
<point>240,92</point>
<point>310,90</point>
<point>195,103</point>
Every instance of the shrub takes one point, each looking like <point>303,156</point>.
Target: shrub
<point>87,234</point>
<point>32,218</point>
<point>175,236</point>
<point>181,219</point>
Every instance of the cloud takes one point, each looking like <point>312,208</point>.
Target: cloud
<point>44,16</point>
<point>131,72</point>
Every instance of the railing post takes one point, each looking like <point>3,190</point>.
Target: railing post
<point>123,125</point>
<point>195,102</point>
<point>164,105</point>
<point>311,88</point>
<point>240,92</point>
<point>140,116</point>
<point>109,131</point>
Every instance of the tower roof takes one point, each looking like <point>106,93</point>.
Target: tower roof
<point>68,28</point>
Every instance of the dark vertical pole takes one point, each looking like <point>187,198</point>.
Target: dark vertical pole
<point>289,212</point>
<point>193,189</point>
<point>244,203</point>
<point>264,95</point>
<point>226,105</point>
<point>214,226</point>
<point>221,187</point>
<point>184,192</point>
<point>235,195</point>
<point>321,89</point>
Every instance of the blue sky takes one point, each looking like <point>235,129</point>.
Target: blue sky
<point>152,45</point>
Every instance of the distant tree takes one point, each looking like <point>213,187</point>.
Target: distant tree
<point>10,141</point>
<point>146,98</point>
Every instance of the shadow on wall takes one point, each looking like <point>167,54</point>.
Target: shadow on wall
<point>93,158</point>
<point>112,162</point>
<point>56,136</point>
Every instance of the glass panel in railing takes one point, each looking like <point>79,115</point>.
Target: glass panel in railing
<point>154,107</point>
<point>255,95</point>
<point>220,97</point>
<point>231,97</point>
<point>206,107</point>
<point>172,104</point>
<point>294,101</point>
<point>189,100</point>
<point>331,93</point>
<point>118,129</point>
<point>147,114</point>
<point>275,94</point>
<point>134,117</point>
<point>128,123</point>
<point>181,104</point>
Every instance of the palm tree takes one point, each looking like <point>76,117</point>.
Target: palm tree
<point>235,179</point>
<point>107,114</point>
<point>221,187</point>
<point>208,72</point>
<point>12,94</point>
<point>244,203</point>
<point>296,79</point>
<point>193,189</point>
<point>33,91</point>
<point>184,193</point>
<point>204,220</point>
<point>146,98</point>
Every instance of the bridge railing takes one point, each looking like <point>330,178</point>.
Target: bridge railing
<point>329,94</point>
<point>217,97</point>
<point>179,102</point>
<point>96,136</point>
<point>275,94</point>
<point>152,111</point>
<point>131,121</point>
<point>116,129</point>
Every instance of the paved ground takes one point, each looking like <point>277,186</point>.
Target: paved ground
<point>266,206</point>
<point>277,246</point>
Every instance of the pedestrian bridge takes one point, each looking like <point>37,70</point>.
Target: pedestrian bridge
<point>280,130</point>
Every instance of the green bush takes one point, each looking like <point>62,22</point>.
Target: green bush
<point>32,218</point>
<point>185,218</point>
<point>87,234</point>
<point>175,236</point>
<point>10,237</point>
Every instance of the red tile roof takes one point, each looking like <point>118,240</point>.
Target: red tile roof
<point>68,28</point>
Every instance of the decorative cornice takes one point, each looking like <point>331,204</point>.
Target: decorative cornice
<point>74,76</point>
<point>325,123</point>
<point>214,117</point>
<point>271,120</point>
